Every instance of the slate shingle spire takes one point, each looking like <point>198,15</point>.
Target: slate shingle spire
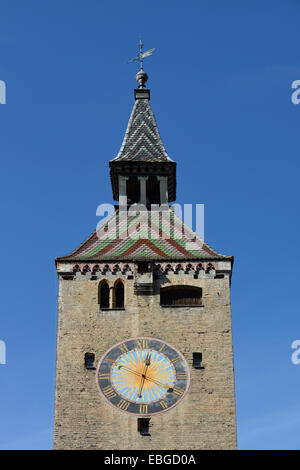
<point>142,142</point>
<point>142,153</point>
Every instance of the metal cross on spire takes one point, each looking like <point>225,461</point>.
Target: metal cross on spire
<point>142,55</point>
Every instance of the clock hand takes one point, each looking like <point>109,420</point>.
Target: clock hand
<point>141,387</point>
<point>136,373</point>
<point>133,371</point>
<point>129,370</point>
<point>147,364</point>
<point>164,385</point>
<point>141,375</point>
<point>121,366</point>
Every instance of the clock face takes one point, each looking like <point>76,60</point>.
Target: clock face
<point>143,376</point>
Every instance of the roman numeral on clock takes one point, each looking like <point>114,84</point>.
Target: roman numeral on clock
<point>142,344</point>
<point>181,376</point>
<point>163,404</point>
<point>123,404</point>
<point>109,392</point>
<point>104,376</point>
<point>162,347</point>
<point>144,409</point>
<point>176,359</point>
<point>178,391</point>
<point>123,348</point>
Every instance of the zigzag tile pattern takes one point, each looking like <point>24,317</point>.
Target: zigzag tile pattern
<point>142,141</point>
<point>144,236</point>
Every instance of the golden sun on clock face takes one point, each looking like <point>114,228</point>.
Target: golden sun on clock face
<point>143,376</point>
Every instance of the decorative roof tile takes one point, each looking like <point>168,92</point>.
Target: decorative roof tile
<point>142,141</point>
<point>144,236</point>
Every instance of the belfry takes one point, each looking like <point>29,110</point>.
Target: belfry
<point>144,341</point>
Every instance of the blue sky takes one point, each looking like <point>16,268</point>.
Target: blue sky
<point>220,82</point>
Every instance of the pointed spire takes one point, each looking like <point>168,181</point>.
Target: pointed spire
<point>142,141</point>
<point>142,153</point>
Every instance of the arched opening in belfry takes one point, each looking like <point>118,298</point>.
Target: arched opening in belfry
<point>133,190</point>
<point>119,295</point>
<point>103,294</point>
<point>152,190</point>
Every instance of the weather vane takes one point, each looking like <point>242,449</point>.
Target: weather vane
<point>141,76</point>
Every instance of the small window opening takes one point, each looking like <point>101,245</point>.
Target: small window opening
<point>89,361</point>
<point>119,295</point>
<point>219,276</point>
<point>143,426</point>
<point>197,360</point>
<point>142,268</point>
<point>104,295</point>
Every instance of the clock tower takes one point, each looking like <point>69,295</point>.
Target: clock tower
<point>144,341</point>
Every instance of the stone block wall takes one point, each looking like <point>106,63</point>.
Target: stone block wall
<point>204,419</point>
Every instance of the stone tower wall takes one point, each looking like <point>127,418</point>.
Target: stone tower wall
<point>204,419</point>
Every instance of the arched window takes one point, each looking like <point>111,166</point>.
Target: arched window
<point>184,296</point>
<point>119,295</point>
<point>103,295</point>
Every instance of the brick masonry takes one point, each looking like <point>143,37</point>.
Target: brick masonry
<point>204,419</point>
